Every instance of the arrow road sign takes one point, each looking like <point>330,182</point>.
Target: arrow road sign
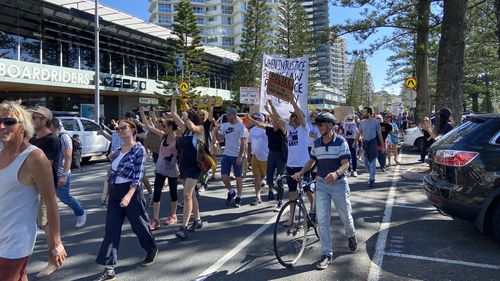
<point>411,83</point>
<point>184,86</point>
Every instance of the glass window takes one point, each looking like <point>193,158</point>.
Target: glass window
<point>162,72</point>
<point>87,58</point>
<point>8,46</point>
<point>130,66</point>
<point>212,40</point>
<point>164,19</point>
<point>211,19</point>
<point>152,70</point>
<point>198,10</point>
<point>116,64</point>
<point>30,49</point>
<point>200,20</point>
<point>244,6</point>
<point>51,52</point>
<point>227,41</point>
<point>165,8</point>
<point>89,125</point>
<point>104,62</point>
<point>70,124</point>
<point>227,20</point>
<point>226,10</point>
<point>69,55</point>
<point>141,68</point>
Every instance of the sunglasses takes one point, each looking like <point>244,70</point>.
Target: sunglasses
<point>8,121</point>
<point>122,128</point>
<point>378,118</point>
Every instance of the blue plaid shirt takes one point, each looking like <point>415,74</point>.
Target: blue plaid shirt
<point>131,166</point>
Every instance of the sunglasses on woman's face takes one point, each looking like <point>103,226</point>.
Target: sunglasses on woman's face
<point>8,121</point>
<point>122,128</point>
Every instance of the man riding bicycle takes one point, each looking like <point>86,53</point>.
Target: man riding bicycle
<point>331,152</point>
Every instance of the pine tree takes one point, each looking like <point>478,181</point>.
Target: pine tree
<point>255,42</point>
<point>359,88</point>
<point>187,48</point>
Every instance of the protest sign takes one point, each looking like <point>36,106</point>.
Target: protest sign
<point>249,95</point>
<point>205,101</point>
<point>342,111</point>
<point>294,68</point>
<point>280,86</point>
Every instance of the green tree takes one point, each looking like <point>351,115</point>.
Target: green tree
<point>449,91</point>
<point>359,88</point>
<point>188,51</point>
<point>255,42</point>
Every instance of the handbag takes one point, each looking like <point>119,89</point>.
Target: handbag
<point>204,159</point>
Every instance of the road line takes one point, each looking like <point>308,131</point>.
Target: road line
<point>236,250</point>
<point>414,207</point>
<point>378,256</point>
<point>459,262</point>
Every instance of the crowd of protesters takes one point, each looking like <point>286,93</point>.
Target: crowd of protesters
<point>267,142</point>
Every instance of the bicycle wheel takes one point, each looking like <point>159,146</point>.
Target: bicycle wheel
<point>290,239</point>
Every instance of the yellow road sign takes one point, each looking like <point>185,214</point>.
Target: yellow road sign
<point>184,86</point>
<point>184,96</point>
<point>411,83</point>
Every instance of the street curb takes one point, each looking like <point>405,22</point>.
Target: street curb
<point>416,173</point>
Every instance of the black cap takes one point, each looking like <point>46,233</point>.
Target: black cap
<point>445,112</point>
<point>129,115</point>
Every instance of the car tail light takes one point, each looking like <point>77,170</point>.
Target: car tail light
<point>454,158</point>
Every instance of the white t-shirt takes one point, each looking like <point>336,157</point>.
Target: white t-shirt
<point>258,140</point>
<point>232,137</point>
<point>297,146</point>
<point>114,167</point>
<point>312,130</point>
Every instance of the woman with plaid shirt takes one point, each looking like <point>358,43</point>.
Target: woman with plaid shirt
<point>126,200</point>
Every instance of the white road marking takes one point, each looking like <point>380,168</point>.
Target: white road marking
<point>378,257</point>
<point>459,262</point>
<point>236,250</point>
<point>414,207</point>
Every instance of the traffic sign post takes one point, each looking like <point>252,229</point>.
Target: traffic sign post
<point>411,83</point>
<point>184,86</point>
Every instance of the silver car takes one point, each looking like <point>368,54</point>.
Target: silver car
<point>92,144</point>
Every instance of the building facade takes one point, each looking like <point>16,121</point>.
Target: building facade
<point>324,97</point>
<point>339,63</point>
<point>47,57</point>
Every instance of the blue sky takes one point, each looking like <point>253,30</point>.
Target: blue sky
<point>378,64</point>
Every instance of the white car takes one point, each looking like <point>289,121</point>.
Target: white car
<point>92,144</point>
<point>414,137</point>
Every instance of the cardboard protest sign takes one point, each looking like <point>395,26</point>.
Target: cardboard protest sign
<point>205,101</point>
<point>293,68</point>
<point>280,86</point>
<point>342,111</point>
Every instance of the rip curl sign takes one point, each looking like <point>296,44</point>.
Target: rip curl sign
<point>296,70</point>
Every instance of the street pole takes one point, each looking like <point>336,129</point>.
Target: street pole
<point>96,78</point>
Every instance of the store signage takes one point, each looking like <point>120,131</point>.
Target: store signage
<point>31,72</point>
<point>148,100</point>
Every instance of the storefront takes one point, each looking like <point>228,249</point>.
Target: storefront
<point>47,57</point>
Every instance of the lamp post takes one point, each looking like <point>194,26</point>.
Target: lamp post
<point>96,78</point>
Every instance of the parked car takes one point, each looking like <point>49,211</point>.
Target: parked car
<point>92,144</point>
<point>465,173</point>
<point>414,137</point>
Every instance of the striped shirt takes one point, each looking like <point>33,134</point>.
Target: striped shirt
<point>131,166</point>
<point>328,156</point>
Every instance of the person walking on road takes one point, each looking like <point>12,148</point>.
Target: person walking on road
<point>19,202</point>
<point>331,152</point>
<point>187,147</point>
<point>50,145</point>
<point>235,137</point>
<point>64,173</point>
<point>260,153</point>
<point>166,168</point>
<point>350,131</point>
<point>126,200</point>
<point>369,129</point>
<point>385,129</point>
<point>392,140</point>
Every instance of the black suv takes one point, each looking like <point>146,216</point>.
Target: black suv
<point>465,173</point>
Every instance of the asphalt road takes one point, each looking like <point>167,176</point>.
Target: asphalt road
<point>400,237</point>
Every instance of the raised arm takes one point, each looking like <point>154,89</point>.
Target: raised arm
<point>210,113</point>
<point>278,122</point>
<point>299,113</point>
<point>175,117</point>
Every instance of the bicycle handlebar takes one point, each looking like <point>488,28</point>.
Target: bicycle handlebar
<point>279,182</point>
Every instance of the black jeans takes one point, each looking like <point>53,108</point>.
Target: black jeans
<point>136,215</point>
<point>172,186</point>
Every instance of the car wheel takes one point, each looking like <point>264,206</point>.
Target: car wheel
<point>86,159</point>
<point>419,143</point>
<point>495,223</point>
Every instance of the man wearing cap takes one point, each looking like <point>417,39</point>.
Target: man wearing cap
<point>234,134</point>
<point>260,151</point>
<point>50,145</point>
<point>64,173</point>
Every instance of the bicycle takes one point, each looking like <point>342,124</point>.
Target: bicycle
<point>292,227</point>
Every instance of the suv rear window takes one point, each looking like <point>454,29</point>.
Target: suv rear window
<point>476,132</point>
<point>458,133</point>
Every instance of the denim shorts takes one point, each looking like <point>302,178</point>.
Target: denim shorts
<point>226,163</point>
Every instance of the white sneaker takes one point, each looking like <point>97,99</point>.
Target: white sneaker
<point>39,231</point>
<point>81,220</point>
<point>354,174</point>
